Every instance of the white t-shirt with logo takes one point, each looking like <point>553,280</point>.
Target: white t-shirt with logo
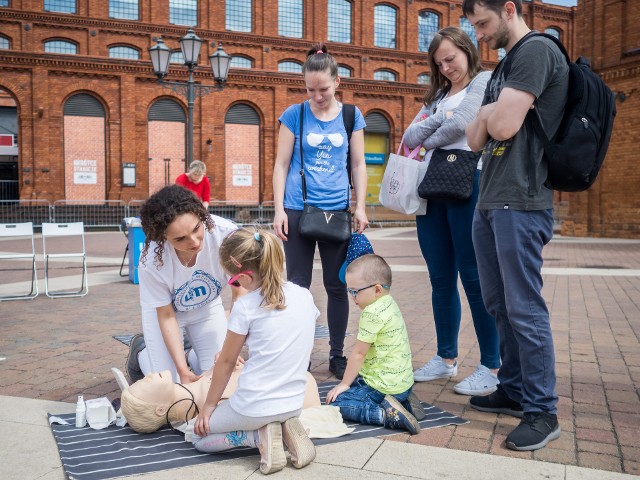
<point>192,291</point>
<point>280,342</point>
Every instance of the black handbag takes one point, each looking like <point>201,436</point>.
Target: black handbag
<point>450,175</point>
<point>315,223</point>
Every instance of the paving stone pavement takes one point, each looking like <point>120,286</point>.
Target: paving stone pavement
<point>57,349</point>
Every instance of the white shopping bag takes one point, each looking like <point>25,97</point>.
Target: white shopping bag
<point>399,189</point>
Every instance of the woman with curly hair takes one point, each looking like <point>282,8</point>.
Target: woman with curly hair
<point>180,284</point>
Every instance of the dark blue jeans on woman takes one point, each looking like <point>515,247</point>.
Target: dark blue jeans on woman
<point>444,235</point>
<point>361,403</point>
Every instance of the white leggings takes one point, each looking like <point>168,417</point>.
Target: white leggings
<point>206,336</point>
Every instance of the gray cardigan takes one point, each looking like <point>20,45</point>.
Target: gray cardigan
<point>438,131</point>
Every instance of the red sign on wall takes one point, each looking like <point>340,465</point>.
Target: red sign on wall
<point>6,140</point>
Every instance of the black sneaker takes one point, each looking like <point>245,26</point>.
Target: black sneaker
<point>398,417</point>
<point>535,430</point>
<point>337,366</point>
<point>497,402</point>
<point>132,366</point>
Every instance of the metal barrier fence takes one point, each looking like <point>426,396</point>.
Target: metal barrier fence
<point>19,211</point>
<point>108,214</point>
<point>9,190</point>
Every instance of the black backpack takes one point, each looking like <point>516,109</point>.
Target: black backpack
<point>575,155</point>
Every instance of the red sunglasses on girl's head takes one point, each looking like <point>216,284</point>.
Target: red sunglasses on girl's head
<point>234,280</point>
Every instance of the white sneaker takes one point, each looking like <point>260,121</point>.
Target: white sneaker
<point>436,368</point>
<point>480,382</point>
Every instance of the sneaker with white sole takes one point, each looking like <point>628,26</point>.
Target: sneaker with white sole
<point>480,382</point>
<point>436,368</point>
<point>272,457</point>
<point>295,438</point>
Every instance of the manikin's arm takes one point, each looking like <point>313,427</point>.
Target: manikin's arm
<point>222,370</point>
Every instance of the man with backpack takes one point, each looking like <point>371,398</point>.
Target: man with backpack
<point>514,214</point>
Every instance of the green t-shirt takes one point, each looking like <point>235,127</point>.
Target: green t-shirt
<point>387,366</point>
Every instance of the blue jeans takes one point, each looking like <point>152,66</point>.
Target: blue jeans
<point>361,403</point>
<point>444,235</point>
<point>509,249</point>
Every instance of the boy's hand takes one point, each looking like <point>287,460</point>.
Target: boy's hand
<point>335,391</point>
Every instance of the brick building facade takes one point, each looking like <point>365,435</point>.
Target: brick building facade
<point>608,34</point>
<point>67,153</point>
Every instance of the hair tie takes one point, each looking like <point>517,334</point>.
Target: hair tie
<point>319,52</point>
<point>256,235</point>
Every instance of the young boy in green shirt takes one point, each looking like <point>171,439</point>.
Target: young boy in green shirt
<point>378,379</point>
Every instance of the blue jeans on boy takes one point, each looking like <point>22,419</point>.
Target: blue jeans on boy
<point>509,249</point>
<point>361,403</point>
<point>444,235</point>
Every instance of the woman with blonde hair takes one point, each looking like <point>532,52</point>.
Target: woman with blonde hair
<point>444,232</point>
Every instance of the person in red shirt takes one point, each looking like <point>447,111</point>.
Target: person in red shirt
<point>196,181</point>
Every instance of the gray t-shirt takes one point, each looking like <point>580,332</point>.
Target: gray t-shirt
<point>539,68</point>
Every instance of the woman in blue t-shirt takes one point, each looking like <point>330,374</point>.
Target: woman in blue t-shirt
<point>324,145</point>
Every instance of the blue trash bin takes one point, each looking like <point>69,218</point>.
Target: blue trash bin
<point>136,239</point>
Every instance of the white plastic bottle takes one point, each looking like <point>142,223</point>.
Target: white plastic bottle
<point>81,412</point>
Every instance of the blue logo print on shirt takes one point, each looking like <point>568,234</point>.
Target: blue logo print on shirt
<point>198,291</point>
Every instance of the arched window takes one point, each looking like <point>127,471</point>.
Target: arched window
<point>424,79</point>
<point>60,6</point>
<point>124,9</point>
<point>84,162</point>
<point>386,75</point>
<point>289,66</point>
<point>239,15</point>
<point>339,21</point>
<point>554,32</point>
<point>242,154</point>
<point>344,71</point>
<point>176,57</point>
<point>465,26</point>
<point>167,142</point>
<point>384,26</point>
<point>4,43</point>
<point>240,61</point>
<point>428,26</point>
<point>4,3</point>
<point>501,53</point>
<point>183,12</point>
<point>60,46</point>
<point>290,18</point>
<point>122,51</point>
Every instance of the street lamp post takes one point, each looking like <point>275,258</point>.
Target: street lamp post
<point>190,45</point>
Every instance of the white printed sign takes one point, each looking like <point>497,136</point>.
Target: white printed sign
<point>85,172</point>
<point>241,175</point>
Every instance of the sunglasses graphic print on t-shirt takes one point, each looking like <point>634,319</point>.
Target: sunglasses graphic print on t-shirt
<point>328,149</point>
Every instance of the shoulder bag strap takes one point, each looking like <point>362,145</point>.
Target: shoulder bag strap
<point>304,183</point>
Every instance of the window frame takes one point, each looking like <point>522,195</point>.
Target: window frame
<point>291,20</point>
<point>8,40</point>
<point>226,16</point>
<point>62,40</point>
<point>125,17</point>
<point>290,61</point>
<point>438,19</point>
<point>386,71</point>
<point>336,4</point>
<point>123,45</point>
<point>555,29</point>
<point>187,23</point>
<point>376,33</point>
<point>242,57</point>
<point>75,6</point>
<point>423,74</point>
<point>346,67</point>
<point>466,27</point>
